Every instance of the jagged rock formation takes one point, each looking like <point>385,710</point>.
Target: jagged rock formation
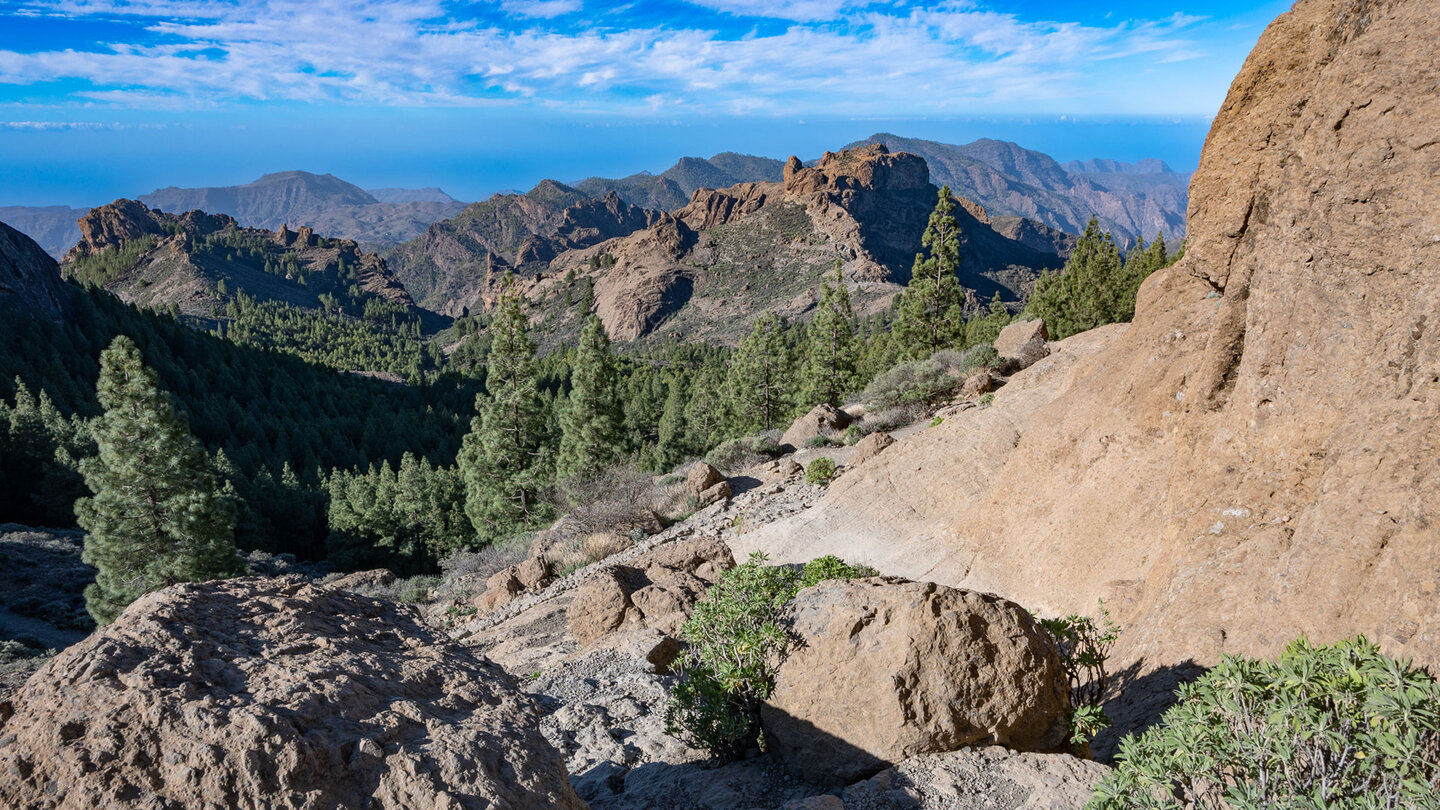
<point>262,693</point>
<point>29,279</point>
<point>325,203</point>
<point>1252,458</point>
<point>151,258</point>
<point>730,254</point>
<point>455,264</point>
<point>1010,181</point>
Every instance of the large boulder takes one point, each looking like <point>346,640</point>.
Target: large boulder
<point>887,669</point>
<point>702,476</point>
<point>1022,344</point>
<point>870,447</point>
<point>658,590</point>
<point>821,420</point>
<point>274,693</point>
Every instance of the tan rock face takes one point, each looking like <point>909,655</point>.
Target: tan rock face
<point>888,669</point>
<point>870,447</point>
<point>821,420</point>
<point>659,595</point>
<point>701,477</point>
<point>270,693</point>
<point>1022,343</point>
<point>378,578</point>
<point>1252,458</point>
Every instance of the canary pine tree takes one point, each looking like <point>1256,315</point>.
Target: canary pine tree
<point>592,435</point>
<point>157,516</point>
<point>931,316</point>
<point>828,372</point>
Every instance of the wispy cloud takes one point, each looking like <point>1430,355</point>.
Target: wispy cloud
<point>882,57</point>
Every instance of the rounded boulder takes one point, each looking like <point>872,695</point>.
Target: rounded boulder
<point>887,669</point>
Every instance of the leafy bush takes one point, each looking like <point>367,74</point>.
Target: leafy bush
<point>1323,727</point>
<point>737,639</point>
<point>912,385</point>
<point>852,435</point>
<point>1084,646</point>
<point>821,441</point>
<point>820,472</point>
<point>738,454</point>
<point>936,421</point>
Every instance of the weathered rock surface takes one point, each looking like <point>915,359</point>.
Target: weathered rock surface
<point>887,669</point>
<point>180,265</point>
<point>701,477</point>
<point>716,494</point>
<point>978,779</point>
<point>822,420</point>
<point>660,594</point>
<point>1022,344</point>
<point>870,447</point>
<point>29,279</point>
<point>1247,461</point>
<point>260,693</point>
<point>377,578</point>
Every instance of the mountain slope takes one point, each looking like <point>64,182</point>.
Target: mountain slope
<point>672,188</point>
<point>29,282</point>
<point>1008,180</point>
<point>1254,457</point>
<point>323,202</point>
<point>197,261</point>
<point>51,226</point>
<point>707,270</point>
<point>449,267</point>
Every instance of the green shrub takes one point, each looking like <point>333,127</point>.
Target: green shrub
<point>987,399</point>
<point>1084,646</point>
<point>852,435</point>
<point>960,363</point>
<point>737,638</point>
<point>820,472</point>
<point>910,385</point>
<point>936,421</point>
<point>821,441</point>
<point>732,456</point>
<point>1322,727</point>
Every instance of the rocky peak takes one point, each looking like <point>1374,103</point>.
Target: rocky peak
<point>872,167</point>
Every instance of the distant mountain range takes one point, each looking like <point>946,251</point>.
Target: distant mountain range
<point>1129,199</point>
<point>323,202</point>
<point>672,188</point>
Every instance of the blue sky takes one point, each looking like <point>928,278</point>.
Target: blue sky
<point>108,98</point>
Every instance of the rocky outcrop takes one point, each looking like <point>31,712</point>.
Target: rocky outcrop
<point>257,693</point>
<point>1246,462</point>
<point>822,420</point>
<point>710,207</point>
<point>29,279</point>
<point>701,477</point>
<point>887,669</point>
<point>1022,344</point>
<point>870,447</point>
<point>659,595</point>
<point>182,259</point>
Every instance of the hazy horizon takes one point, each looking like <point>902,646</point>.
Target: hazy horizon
<point>102,99</point>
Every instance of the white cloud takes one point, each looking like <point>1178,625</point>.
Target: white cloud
<point>869,58</point>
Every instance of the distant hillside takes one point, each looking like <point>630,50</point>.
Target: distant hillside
<point>1130,200</point>
<point>197,261</point>
<point>526,231</point>
<point>409,195</point>
<point>705,270</point>
<point>323,202</point>
<point>51,226</point>
<point>672,188</point>
<point>29,282</point>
